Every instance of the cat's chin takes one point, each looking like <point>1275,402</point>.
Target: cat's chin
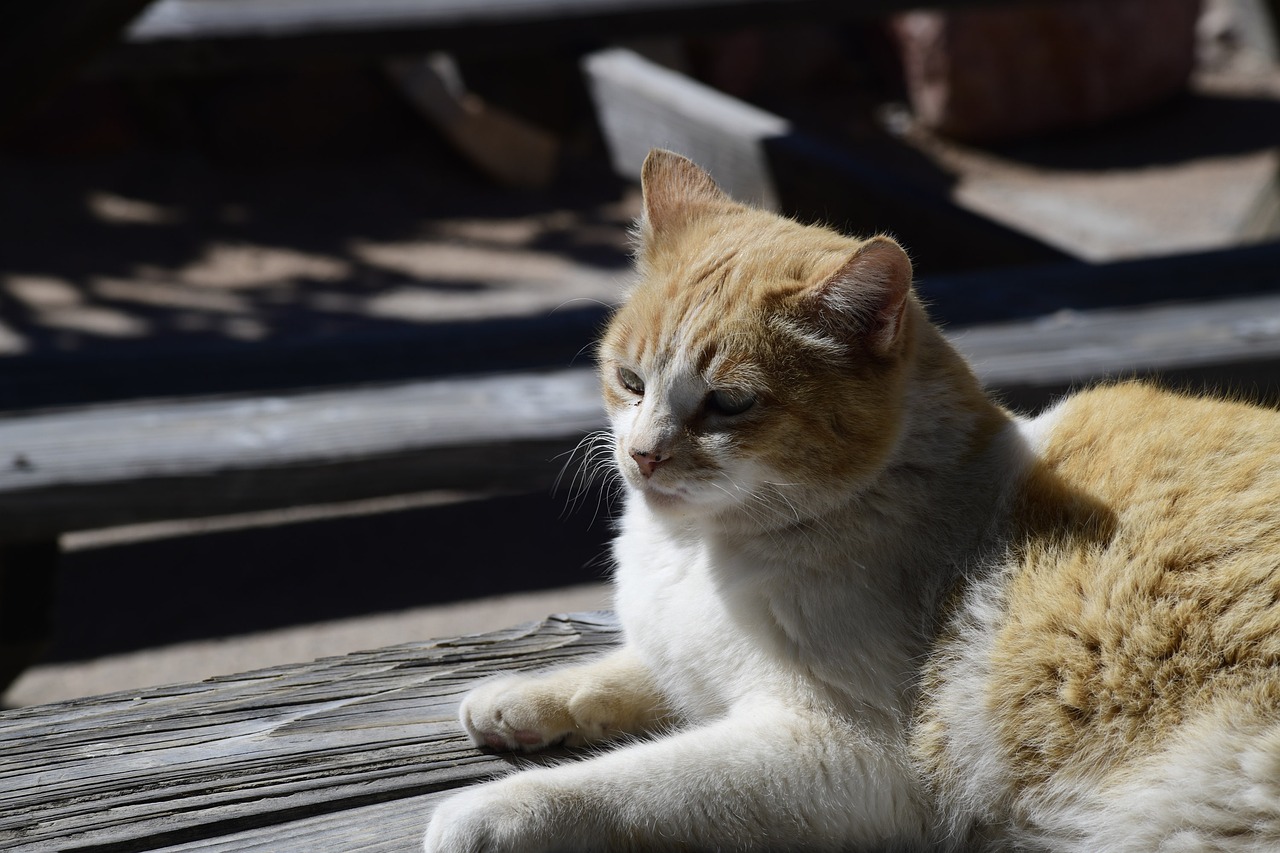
<point>663,500</point>
<point>686,504</point>
<point>667,500</point>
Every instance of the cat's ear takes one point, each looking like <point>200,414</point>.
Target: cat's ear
<point>676,190</point>
<point>867,297</point>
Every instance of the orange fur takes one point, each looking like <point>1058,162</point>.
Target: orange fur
<point>874,609</point>
<point>1115,637</point>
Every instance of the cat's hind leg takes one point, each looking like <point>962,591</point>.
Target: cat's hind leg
<point>575,706</point>
<point>1213,788</point>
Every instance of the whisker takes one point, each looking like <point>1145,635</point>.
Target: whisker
<point>593,455</point>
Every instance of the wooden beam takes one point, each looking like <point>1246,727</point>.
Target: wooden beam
<point>762,158</point>
<point>115,464</point>
<point>199,34</point>
<point>1227,345</point>
<point>641,105</point>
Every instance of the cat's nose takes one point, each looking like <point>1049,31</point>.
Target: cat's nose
<point>648,461</point>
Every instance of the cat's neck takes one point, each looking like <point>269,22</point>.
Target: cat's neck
<point>872,572</point>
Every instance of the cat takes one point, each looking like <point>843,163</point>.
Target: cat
<point>867,608</point>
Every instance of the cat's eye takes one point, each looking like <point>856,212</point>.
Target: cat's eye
<point>631,381</point>
<point>729,403</point>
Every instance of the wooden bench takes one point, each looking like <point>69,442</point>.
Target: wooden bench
<point>1206,319</point>
<point>353,752</point>
<point>343,754</point>
<point>94,466</point>
<point>89,467</point>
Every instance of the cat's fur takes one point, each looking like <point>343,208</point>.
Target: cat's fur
<point>867,608</point>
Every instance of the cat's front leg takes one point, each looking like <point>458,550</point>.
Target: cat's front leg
<point>763,778</point>
<point>575,706</point>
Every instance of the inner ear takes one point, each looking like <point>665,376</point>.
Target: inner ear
<point>867,296</point>
<point>675,190</point>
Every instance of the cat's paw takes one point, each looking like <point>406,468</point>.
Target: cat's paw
<point>527,713</point>
<point>499,817</point>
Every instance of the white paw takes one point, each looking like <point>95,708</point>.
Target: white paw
<point>509,816</point>
<point>521,714</point>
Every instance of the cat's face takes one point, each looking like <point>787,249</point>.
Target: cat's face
<point>757,366</point>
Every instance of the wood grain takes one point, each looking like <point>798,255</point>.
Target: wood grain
<point>342,754</point>
<point>1073,347</point>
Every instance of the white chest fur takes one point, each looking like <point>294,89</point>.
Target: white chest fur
<point>705,656</point>
<point>721,626</point>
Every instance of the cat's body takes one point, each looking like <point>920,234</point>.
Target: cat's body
<point>866,608</point>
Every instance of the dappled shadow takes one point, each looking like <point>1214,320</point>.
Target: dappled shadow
<point>212,262</point>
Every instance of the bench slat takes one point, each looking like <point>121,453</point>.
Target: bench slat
<point>189,19</point>
<point>118,464</point>
<point>201,34</point>
<point>78,469</point>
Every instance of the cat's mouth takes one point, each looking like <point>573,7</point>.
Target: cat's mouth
<point>662,494</point>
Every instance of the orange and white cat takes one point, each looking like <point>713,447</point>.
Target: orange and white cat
<point>865,607</point>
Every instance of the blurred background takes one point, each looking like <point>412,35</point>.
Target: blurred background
<point>297,297</point>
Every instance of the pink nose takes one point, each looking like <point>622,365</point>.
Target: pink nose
<point>647,461</point>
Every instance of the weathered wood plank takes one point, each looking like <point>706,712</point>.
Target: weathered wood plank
<point>1078,346</point>
<point>278,755</point>
<point>68,470</point>
<point>764,159</point>
<point>204,33</point>
<point>1229,345</point>
<point>392,827</point>
<point>641,105</point>
<point>274,18</point>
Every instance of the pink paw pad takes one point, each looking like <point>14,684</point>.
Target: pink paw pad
<point>528,738</point>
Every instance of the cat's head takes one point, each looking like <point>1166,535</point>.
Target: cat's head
<point>758,364</point>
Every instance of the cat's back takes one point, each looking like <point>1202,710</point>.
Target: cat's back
<point>1152,455</point>
<point>1116,678</point>
<point>1141,600</point>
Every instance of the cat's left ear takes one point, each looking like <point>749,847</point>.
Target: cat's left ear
<point>676,190</point>
<point>868,296</point>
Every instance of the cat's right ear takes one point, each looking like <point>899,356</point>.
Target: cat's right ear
<point>676,190</point>
<point>867,297</point>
